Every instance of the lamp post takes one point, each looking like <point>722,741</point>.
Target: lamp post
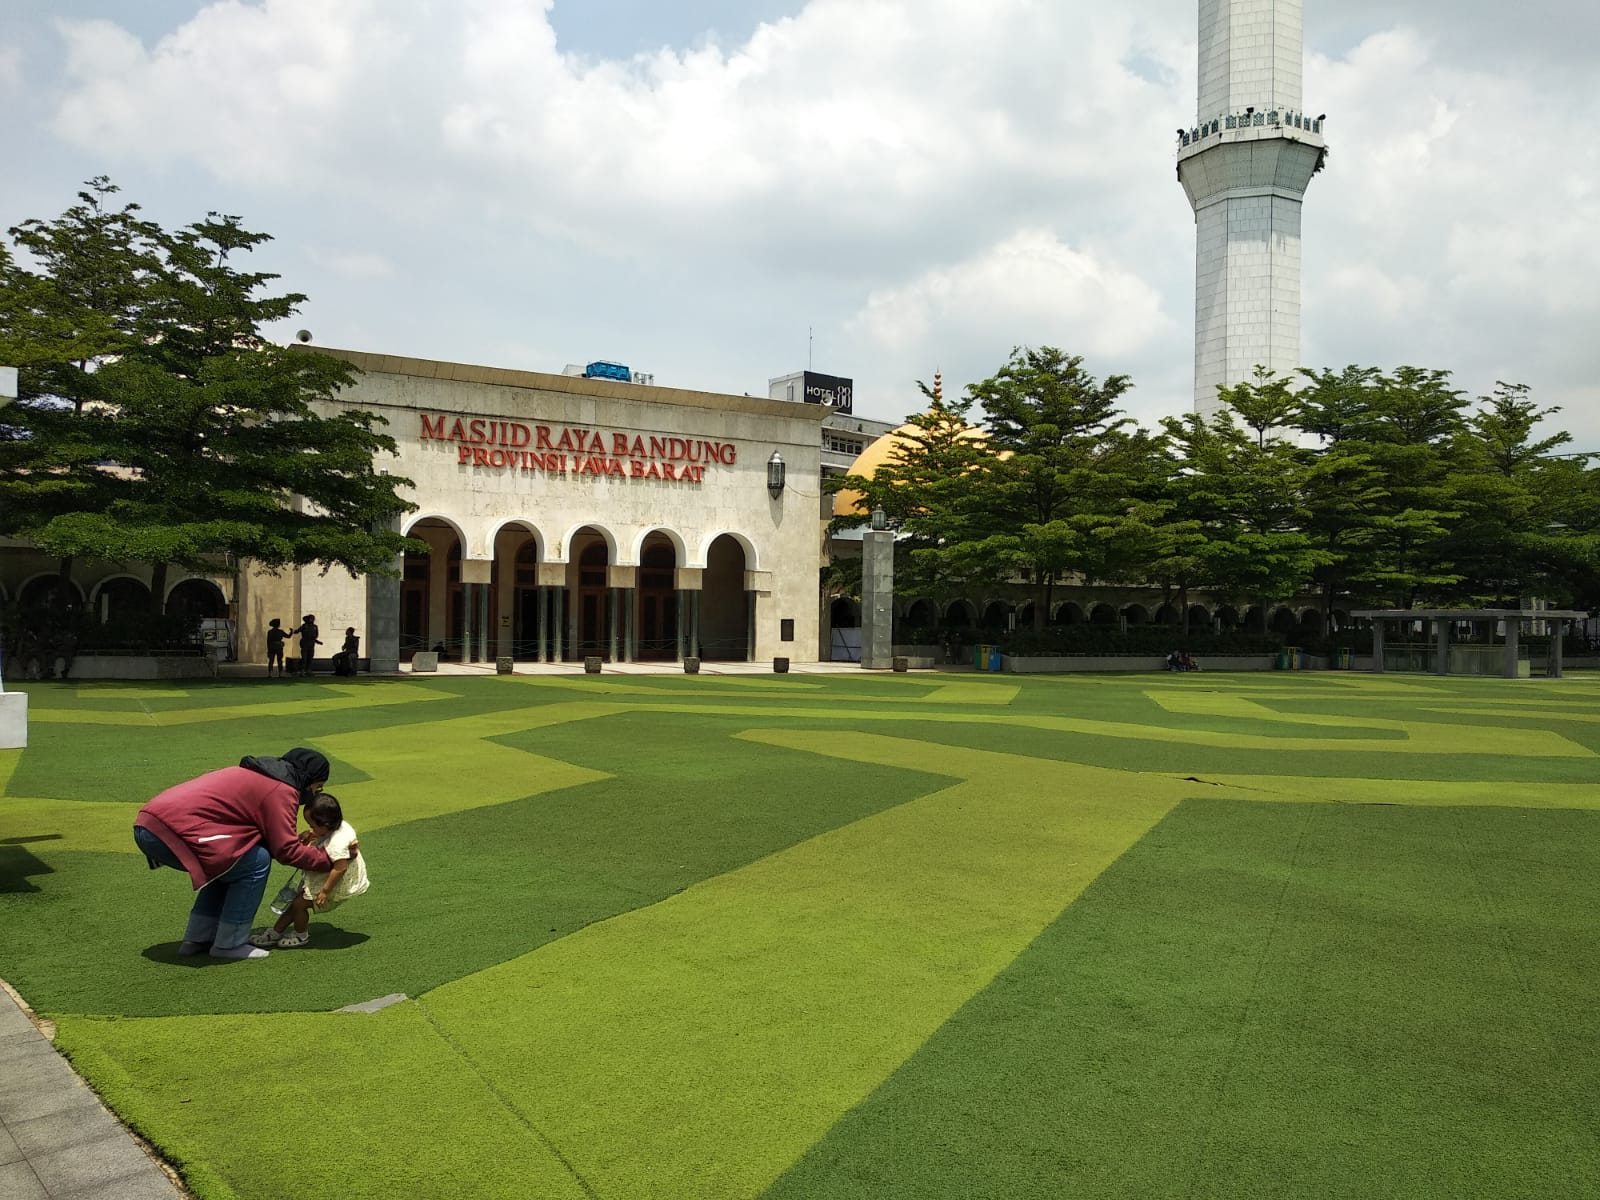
<point>775,475</point>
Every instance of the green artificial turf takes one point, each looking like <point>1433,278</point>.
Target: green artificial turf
<point>1270,1001</point>
<point>830,936</point>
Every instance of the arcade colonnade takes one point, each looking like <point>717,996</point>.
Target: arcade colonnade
<point>671,601</point>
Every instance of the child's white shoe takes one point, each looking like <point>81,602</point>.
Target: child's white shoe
<point>292,938</point>
<point>267,937</point>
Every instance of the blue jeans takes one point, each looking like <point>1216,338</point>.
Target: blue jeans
<point>223,909</point>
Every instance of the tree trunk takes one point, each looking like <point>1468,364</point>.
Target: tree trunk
<point>158,589</point>
<point>60,600</point>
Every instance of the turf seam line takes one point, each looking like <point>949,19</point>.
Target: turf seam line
<point>1502,934</point>
<point>507,1103</point>
<point>1250,1003</point>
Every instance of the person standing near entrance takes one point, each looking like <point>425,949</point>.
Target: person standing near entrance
<point>275,640</point>
<point>309,641</point>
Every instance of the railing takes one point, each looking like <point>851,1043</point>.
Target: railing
<point>1271,118</point>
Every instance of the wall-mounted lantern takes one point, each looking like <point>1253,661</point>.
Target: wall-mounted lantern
<point>879,520</point>
<point>775,474</point>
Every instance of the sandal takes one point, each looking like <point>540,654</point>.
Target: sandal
<point>267,937</point>
<point>291,939</point>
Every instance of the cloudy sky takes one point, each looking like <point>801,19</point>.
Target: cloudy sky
<point>719,191</point>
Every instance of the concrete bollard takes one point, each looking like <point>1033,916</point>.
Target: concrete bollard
<point>691,666</point>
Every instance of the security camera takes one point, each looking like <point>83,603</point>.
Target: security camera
<point>303,336</point>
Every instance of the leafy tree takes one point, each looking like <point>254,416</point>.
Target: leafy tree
<point>1381,500</point>
<point>1067,488</point>
<point>1528,518</point>
<point>1241,494</point>
<point>83,308</point>
<point>180,435</point>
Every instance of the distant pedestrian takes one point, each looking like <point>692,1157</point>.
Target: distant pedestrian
<point>309,641</point>
<point>275,640</point>
<point>344,662</point>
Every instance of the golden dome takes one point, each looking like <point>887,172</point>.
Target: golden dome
<point>880,454</point>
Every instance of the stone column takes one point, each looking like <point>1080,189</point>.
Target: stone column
<point>1513,635</point>
<point>1557,635</point>
<point>475,575</point>
<point>877,600</point>
<point>1441,646</point>
<point>483,622</point>
<point>463,631</point>
<point>1377,644</point>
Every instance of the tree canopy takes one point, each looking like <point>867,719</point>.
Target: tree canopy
<point>1388,489</point>
<point>157,424</point>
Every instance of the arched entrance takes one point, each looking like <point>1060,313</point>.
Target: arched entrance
<point>43,593</point>
<point>430,591</point>
<point>196,600</point>
<point>122,597</point>
<point>591,634</point>
<point>658,601</point>
<point>727,628</point>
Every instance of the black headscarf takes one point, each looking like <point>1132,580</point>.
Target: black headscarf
<point>299,768</point>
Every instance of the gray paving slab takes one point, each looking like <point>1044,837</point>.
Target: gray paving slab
<point>9,1153</point>
<point>18,1182</point>
<point>129,1187</point>
<point>62,1130</point>
<point>57,1140</point>
<point>111,1159</point>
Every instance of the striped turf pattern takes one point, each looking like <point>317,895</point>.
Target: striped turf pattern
<point>924,936</point>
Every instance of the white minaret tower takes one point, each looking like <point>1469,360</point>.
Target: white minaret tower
<point>1246,164</point>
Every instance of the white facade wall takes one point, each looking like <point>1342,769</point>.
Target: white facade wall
<point>480,499</point>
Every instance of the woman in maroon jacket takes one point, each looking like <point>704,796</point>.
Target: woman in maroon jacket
<point>224,829</point>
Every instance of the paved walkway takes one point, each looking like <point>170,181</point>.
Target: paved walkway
<point>57,1141</point>
<point>255,671</point>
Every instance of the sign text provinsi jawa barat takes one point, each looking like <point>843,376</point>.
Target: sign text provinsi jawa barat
<point>511,446</point>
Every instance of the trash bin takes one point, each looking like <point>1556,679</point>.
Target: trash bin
<point>980,657</point>
<point>1283,658</point>
<point>994,658</point>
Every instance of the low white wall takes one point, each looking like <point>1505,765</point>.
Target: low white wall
<point>134,666</point>
<point>13,720</point>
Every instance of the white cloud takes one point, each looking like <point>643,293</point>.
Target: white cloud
<point>1030,288</point>
<point>916,179</point>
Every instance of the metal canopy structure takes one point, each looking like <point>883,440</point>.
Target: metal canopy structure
<point>1444,618</point>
